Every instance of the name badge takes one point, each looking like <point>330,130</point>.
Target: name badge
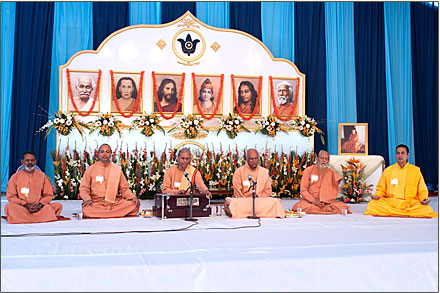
<point>314,178</point>
<point>394,181</point>
<point>100,179</point>
<point>176,184</point>
<point>25,191</point>
<point>246,183</point>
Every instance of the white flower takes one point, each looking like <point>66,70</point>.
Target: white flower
<point>300,128</point>
<point>185,124</point>
<point>141,123</point>
<point>62,121</point>
<point>151,120</point>
<point>49,123</point>
<point>60,182</point>
<point>272,124</point>
<point>198,127</point>
<point>56,121</point>
<point>98,123</point>
<point>230,122</point>
<point>66,197</point>
<point>112,119</point>
<point>196,122</point>
<point>302,122</point>
<point>307,125</point>
<point>237,122</point>
<point>69,117</point>
<point>111,124</point>
<point>69,122</point>
<point>269,128</point>
<point>105,122</point>
<point>228,127</point>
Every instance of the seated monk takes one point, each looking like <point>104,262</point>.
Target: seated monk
<point>265,206</point>
<point>319,189</point>
<point>29,194</point>
<point>174,180</point>
<point>401,191</point>
<point>105,191</point>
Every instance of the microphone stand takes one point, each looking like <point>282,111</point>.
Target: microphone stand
<point>253,201</point>
<point>190,202</point>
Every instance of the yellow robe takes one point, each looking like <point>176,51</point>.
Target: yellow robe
<point>400,191</point>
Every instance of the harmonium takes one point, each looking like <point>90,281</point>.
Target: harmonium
<point>168,205</point>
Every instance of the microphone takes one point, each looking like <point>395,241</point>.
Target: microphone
<point>250,177</point>
<point>187,177</point>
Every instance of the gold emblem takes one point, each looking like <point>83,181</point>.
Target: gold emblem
<point>161,44</point>
<point>215,46</point>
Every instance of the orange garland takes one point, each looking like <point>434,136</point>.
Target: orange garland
<point>274,104</point>
<point>69,85</point>
<point>137,96</point>
<point>220,91</point>
<point>157,99</point>
<point>256,103</point>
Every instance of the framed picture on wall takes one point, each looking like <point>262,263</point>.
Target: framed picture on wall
<point>83,92</point>
<point>246,94</point>
<point>126,92</point>
<point>167,94</point>
<point>207,95</point>
<point>353,139</point>
<point>284,97</point>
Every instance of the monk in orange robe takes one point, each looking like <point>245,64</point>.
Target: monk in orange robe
<point>265,206</point>
<point>175,181</point>
<point>105,191</point>
<point>401,191</point>
<point>319,189</point>
<point>353,144</point>
<point>29,194</point>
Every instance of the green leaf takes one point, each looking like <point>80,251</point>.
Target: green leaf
<point>161,128</point>
<point>245,129</point>
<point>218,131</point>
<point>322,139</point>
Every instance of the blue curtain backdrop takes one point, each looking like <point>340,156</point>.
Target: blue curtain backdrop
<point>215,14</point>
<point>246,16</point>
<point>424,46</point>
<point>341,73</point>
<point>279,17</point>
<point>310,59</point>
<point>398,77</point>
<point>144,13</point>
<point>70,35</point>
<point>173,10</point>
<point>108,17</point>
<point>395,49</point>
<point>7,57</point>
<point>31,80</point>
<point>371,101</point>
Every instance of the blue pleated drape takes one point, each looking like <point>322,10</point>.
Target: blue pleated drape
<point>31,80</point>
<point>145,13</point>
<point>108,17</point>
<point>398,77</point>
<point>277,28</point>
<point>7,58</point>
<point>173,10</point>
<point>215,14</point>
<point>70,35</point>
<point>371,102</point>
<point>341,73</point>
<point>424,45</point>
<point>246,16</point>
<point>310,59</point>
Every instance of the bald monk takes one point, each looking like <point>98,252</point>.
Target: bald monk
<point>401,191</point>
<point>105,191</point>
<point>175,181</point>
<point>265,206</point>
<point>319,189</point>
<point>29,194</point>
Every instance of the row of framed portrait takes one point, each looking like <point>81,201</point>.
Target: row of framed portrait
<point>126,94</point>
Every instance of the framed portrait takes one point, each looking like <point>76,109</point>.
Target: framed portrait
<point>126,92</point>
<point>84,92</point>
<point>167,94</point>
<point>246,95</point>
<point>207,95</point>
<point>283,93</point>
<point>353,139</point>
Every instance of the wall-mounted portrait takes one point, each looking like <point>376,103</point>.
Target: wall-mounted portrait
<point>167,93</point>
<point>246,93</point>
<point>207,95</point>
<point>84,92</point>
<point>353,139</point>
<point>284,97</point>
<point>126,89</point>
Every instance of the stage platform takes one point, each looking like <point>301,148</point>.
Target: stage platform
<point>313,253</point>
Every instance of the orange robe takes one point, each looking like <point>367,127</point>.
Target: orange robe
<point>241,184</point>
<point>353,145</point>
<point>323,187</point>
<point>400,191</point>
<point>174,180</point>
<point>94,189</point>
<point>39,191</point>
<point>286,109</point>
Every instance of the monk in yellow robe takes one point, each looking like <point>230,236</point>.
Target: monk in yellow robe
<point>29,194</point>
<point>320,188</point>
<point>105,191</point>
<point>243,179</point>
<point>175,181</point>
<point>401,191</point>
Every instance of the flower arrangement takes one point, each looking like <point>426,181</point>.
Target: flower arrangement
<point>306,126</point>
<point>191,126</point>
<point>147,122</point>
<point>355,187</point>
<point>64,123</point>
<point>270,126</point>
<point>232,123</point>
<point>106,124</point>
